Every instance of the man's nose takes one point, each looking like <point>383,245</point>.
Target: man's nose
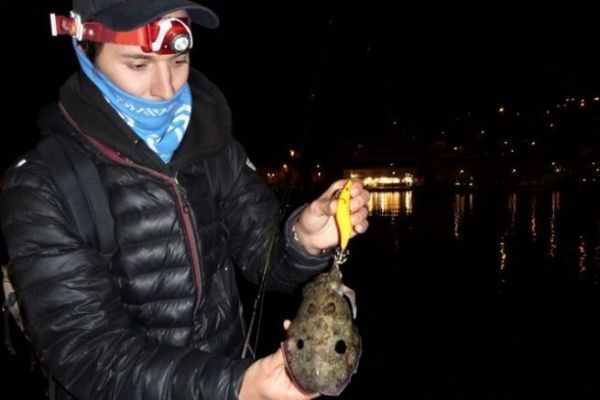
<point>162,84</point>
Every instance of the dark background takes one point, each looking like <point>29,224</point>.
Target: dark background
<point>365,62</point>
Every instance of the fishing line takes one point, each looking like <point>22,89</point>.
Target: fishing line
<point>310,102</point>
<point>259,297</point>
<point>257,307</point>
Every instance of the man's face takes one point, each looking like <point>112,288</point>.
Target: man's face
<point>146,75</point>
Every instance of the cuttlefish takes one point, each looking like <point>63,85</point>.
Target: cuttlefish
<point>323,346</point>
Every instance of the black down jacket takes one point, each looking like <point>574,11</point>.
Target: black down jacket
<point>160,320</point>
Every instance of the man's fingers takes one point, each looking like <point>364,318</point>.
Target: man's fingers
<point>336,186</point>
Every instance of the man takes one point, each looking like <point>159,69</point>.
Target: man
<point>161,318</point>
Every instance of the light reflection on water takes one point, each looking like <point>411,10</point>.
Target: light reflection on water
<point>529,222</point>
<point>533,220</point>
<point>502,261</point>
<point>582,256</point>
<point>397,203</point>
<point>459,213</point>
<point>553,218</point>
<point>460,203</point>
<point>512,209</point>
<point>597,253</point>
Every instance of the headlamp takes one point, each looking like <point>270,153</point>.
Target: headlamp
<point>166,35</point>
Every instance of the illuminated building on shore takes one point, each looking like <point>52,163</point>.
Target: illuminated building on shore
<point>388,178</point>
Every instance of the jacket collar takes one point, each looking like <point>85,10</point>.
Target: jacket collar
<point>209,130</point>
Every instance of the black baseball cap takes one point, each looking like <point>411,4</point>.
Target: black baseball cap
<point>125,15</point>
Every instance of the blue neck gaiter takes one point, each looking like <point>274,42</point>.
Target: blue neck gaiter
<point>160,124</point>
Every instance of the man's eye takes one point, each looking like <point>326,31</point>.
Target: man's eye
<point>181,61</point>
<point>137,67</point>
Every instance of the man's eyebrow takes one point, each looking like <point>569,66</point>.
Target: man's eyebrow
<point>137,56</point>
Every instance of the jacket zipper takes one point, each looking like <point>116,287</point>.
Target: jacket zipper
<point>192,234</point>
<point>183,206</point>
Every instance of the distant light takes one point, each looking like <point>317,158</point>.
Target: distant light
<point>506,142</point>
<point>583,179</point>
<point>391,164</point>
<point>514,171</point>
<point>512,150</point>
<point>596,98</point>
<point>501,109</point>
<point>318,165</point>
<point>547,112</point>
<point>533,142</point>
<point>394,122</point>
<point>455,148</point>
<point>285,167</point>
<point>518,113</point>
<point>462,171</point>
<point>319,174</point>
<point>553,162</point>
<point>292,153</point>
<point>408,180</point>
<point>482,132</point>
<point>393,172</point>
<point>552,125</point>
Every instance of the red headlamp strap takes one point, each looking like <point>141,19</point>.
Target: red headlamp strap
<point>163,36</point>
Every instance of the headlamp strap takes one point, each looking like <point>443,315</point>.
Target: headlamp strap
<point>96,32</point>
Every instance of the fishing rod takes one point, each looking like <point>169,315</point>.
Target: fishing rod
<point>258,304</point>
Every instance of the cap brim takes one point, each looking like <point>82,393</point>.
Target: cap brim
<point>132,14</point>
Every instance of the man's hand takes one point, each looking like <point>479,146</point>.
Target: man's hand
<point>316,227</point>
<point>267,379</point>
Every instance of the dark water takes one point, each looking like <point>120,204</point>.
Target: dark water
<point>483,295</point>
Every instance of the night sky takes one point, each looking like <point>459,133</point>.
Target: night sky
<point>365,62</point>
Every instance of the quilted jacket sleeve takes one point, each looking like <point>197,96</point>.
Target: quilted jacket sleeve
<point>256,235</point>
<point>74,317</point>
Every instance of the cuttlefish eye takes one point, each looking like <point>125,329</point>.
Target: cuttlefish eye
<point>340,347</point>
<point>329,308</point>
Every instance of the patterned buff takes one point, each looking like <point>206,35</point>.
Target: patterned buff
<point>161,124</point>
